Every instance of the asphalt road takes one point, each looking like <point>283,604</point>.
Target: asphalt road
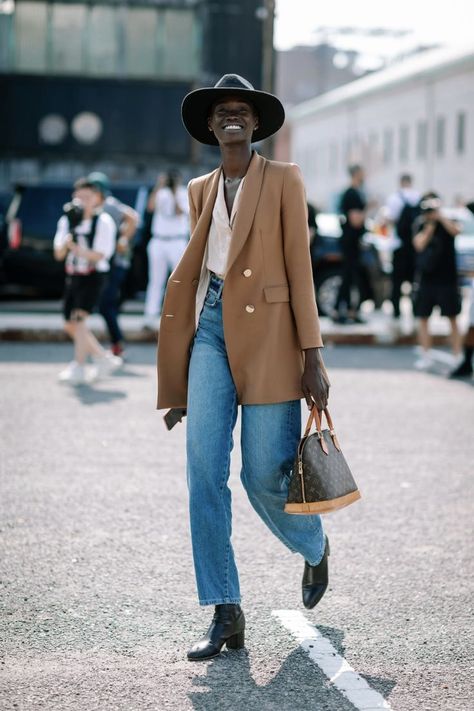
<point>96,580</point>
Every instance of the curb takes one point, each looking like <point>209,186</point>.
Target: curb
<point>39,335</point>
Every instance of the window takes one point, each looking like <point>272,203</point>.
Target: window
<point>140,41</point>
<point>31,22</point>
<point>440,135</point>
<point>67,27</point>
<point>404,143</point>
<point>461,132</point>
<point>102,40</point>
<point>387,146</point>
<point>421,139</point>
<point>177,44</point>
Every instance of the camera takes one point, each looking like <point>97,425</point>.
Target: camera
<point>429,205</point>
<point>74,212</point>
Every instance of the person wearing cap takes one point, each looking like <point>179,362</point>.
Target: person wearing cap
<point>240,326</point>
<point>126,221</point>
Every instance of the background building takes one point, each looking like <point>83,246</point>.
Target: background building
<point>416,116</point>
<point>99,83</point>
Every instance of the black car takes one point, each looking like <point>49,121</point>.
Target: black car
<point>27,264</point>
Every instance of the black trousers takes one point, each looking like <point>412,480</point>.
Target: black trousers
<point>403,270</point>
<point>350,278</point>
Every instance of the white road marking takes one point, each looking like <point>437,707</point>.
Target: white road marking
<point>338,671</point>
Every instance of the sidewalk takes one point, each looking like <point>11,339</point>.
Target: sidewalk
<point>31,321</point>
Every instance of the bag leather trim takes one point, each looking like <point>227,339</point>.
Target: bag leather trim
<point>321,507</point>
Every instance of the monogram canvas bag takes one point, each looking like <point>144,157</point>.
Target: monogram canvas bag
<point>321,480</point>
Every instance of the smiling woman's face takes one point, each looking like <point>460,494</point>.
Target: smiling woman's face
<point>232,120</point>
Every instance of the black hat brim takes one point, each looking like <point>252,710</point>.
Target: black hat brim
<point>197,105</point>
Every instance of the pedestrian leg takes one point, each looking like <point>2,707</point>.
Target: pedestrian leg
<point>456,338</point>
<point>157,271</point>
<point>270,437</point>
<point>109,305</point>
<point>397,280</point>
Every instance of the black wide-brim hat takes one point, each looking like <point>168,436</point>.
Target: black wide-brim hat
<point>196,108</point>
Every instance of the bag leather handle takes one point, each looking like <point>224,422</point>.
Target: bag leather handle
<point>316,417</point>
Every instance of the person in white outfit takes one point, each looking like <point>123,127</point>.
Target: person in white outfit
<point>170,233</point>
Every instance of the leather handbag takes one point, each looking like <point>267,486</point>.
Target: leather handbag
<point>321,480</point>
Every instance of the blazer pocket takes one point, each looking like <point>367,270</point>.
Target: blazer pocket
<point>275,294</point>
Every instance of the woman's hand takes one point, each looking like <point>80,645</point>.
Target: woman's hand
<point>315,382</point>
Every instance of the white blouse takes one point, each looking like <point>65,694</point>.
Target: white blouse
<point>218,242</point>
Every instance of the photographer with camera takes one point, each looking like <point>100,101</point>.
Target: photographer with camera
<point>437,277</point>
<point>85,239</point>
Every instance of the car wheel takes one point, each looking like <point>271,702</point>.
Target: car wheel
<point>327,286</point>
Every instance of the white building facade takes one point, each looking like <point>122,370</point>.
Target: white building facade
<point>416,117</point>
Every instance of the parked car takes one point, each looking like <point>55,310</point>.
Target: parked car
<point>27,264</point>
<point>326,257</point>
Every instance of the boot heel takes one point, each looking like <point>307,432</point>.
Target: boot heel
<point>237,641</point>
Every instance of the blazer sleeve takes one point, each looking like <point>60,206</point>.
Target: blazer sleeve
<point>298,260</point>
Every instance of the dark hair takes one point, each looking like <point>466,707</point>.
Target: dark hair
<point>430,195</point>
<point>406,178</point>
<point>354,168</point>
<point>86,184</point>
<point>173,178</point>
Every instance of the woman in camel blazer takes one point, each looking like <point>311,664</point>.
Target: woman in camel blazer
<point>240,327</point>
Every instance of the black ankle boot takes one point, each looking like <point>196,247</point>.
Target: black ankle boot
<point>315,580</point>
<point>227,627</point>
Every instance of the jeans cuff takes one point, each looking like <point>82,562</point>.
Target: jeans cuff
<point>222,601</point>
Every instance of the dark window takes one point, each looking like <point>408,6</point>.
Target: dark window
<point>387,146</point>
<point>440,135</point>
<point>404,145</point>
<point>461,132</point>
<point>421,139</point>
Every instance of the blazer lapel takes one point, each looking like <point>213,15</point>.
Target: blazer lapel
<point>192,258</point>
<point>248,202</point>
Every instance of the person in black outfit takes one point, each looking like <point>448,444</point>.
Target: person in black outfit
<point>403,209</point>
<point>352,207</point>
<point>437,277</point>
<point>465,369</point>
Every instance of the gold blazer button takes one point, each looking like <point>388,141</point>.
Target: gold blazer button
<point>247,272</point>
<point>250,309</point>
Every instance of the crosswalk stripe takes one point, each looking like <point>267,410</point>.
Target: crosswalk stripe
<point>336,668</point>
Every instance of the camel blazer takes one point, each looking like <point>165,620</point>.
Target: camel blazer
<point>268,300</point>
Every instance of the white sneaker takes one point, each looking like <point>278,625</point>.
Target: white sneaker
<point>74,374</point>
<point>424,362</point>
<point>108,364</point>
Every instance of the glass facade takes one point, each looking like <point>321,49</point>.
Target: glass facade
<point>101,39</point>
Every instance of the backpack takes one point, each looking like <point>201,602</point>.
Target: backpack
<point>404,224</point>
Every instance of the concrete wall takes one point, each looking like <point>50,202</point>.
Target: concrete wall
<point>358,129</point>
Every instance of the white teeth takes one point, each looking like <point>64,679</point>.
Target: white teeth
<point>232,128</point>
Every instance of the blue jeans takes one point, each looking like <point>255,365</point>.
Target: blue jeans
<point>269,438</point>
<point>109,305</point>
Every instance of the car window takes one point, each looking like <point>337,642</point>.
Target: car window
<point>40,209</point>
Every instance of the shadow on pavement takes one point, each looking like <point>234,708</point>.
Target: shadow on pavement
<point>90,396</point>
<point>297,684</point>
